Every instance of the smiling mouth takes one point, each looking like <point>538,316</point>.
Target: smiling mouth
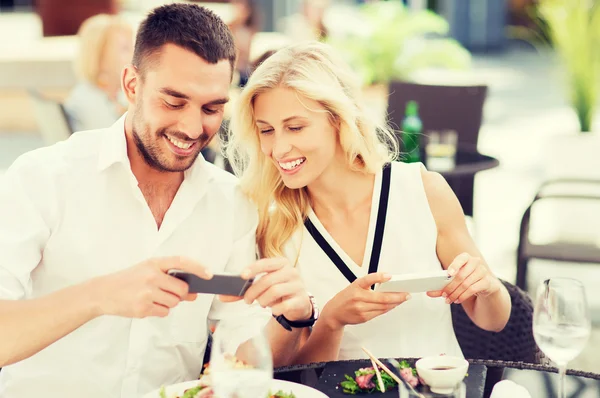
<point>180,144</point>
<point>288,166</point>
<point>181,148</point>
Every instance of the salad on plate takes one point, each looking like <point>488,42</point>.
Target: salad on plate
<point>203,388</point>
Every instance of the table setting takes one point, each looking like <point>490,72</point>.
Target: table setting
<point>561,327</point>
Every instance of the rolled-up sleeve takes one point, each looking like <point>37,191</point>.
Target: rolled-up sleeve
<point>23,233</point>
<point>242,255</point>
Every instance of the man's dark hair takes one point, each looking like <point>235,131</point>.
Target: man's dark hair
<point>189,26</point>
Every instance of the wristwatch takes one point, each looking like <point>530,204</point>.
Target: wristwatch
<point>288,325</point>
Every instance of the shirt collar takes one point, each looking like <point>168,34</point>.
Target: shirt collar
<point>114,146</point>
<point>200,172</point>
<point>114,150</point>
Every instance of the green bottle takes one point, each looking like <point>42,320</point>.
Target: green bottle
<point>411,134</point>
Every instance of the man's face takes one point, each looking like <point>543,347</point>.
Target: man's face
<point>178,107</point>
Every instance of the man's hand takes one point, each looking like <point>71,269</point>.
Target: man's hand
<point>146,289</point>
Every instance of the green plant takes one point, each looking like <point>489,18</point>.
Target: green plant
<point>387,41</point>
<point>573,27</point>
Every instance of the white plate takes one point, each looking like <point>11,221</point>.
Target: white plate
<point>299,390</point>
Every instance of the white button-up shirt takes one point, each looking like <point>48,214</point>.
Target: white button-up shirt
<point>73,211</point>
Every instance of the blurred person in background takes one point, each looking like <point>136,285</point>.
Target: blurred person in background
<point>308,24</point>
<point>105,47</point>
<point>244,25</point>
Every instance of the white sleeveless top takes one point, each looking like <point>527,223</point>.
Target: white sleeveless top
<point>407,235</point>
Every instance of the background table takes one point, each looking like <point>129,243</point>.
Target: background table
<point>461,177</point>
<point>468,163</point>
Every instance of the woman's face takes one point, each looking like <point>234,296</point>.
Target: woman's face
<point>296,134</point>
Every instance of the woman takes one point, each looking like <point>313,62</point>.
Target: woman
<point>105,47</point>
<point>330,200</point>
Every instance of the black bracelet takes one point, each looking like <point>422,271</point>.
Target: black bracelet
<point>288,325</point>
<point>283,322</point>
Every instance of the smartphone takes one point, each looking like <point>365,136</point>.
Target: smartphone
<point>416,283</point>
<point>226,284</point>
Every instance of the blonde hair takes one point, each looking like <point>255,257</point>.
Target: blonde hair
<point>315,72</point>
<point>93,34</point>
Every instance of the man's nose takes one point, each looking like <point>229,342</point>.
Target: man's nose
<point>191,125</point>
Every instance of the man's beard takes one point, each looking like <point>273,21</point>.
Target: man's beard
<point>152,153</point>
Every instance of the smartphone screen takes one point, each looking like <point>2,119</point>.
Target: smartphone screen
<point>415,283</point>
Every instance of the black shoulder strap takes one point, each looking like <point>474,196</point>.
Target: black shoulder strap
<point>381,216</point>
<point>326,247</point>
<point>377,239</point>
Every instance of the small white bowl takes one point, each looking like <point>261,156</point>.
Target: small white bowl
<point>442,373</point>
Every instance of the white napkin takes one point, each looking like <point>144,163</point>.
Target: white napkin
<point>509,389</point>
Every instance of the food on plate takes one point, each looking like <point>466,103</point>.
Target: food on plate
<point>364,380</point>
<point>232,361</point>
<point>204,389</point>
<point>194,392</point>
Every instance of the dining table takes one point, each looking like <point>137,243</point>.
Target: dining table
<point>540,380</point>
<point>468,162</point>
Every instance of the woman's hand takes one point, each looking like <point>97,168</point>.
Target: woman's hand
<point>357,303</point>
<point>279,287</point>
<point>472,277</point>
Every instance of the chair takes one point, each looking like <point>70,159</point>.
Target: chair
<point>557,251</point>
<point>515,343</point>
<point>458,108</point>
<point>51,118</point>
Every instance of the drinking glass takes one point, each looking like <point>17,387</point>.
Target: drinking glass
<point>561,322</point>
<point>441,150</point>
<point>241,363</point>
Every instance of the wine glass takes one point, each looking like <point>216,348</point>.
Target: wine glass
<point>241,362</point>
<point>561,322</point>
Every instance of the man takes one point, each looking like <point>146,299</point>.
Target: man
<point>76,316</point>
